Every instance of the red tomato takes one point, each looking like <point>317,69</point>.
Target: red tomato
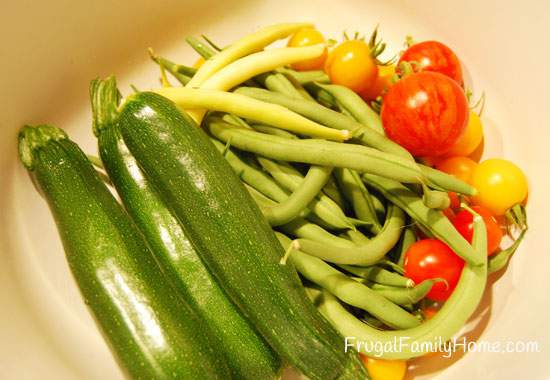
<point>455,201</point>
<point>435,56</point>
<point>429,259</point>
<point>426,113</point>
<point>463,222</point>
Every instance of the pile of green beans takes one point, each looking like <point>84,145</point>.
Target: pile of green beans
<point>346,212</point>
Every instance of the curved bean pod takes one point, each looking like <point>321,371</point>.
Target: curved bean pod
<point>379,275</point>
<point>200,47</point>
<point>269,130</point>
<point>348,100</point>
<point>249,108</point>
<point>445,182</point>
<point>441,327</point>
<point>432,220</point>
<point>333,192</point>
<point>435,199</point>
<point>324,207</point>
<point>301,228</point>
<point>501,259</point>
<point>278,82</point>
<point>252,176</point>
<point>300,198</point>
<point>318,152</point>
<point>366,254</point>
<point>254,64</point>
<point>348,290</point>
<point>303,77</point>
<point>357,194</point>
<point>182,73</point>
<point>408,238</point>
<point>357,237</point>
<point>246,45</point>
<point>405,296</point>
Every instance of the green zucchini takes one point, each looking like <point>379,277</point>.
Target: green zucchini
<point>247,354</point>
<point>231,236</point>
<point>152,332</point>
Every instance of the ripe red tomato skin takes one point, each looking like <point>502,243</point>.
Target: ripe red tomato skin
<point>425,113</point>
<point>435,56</point>
<point>430,259</point>
<point>463,222</point>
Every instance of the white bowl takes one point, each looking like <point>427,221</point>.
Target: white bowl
<point>52,49</point>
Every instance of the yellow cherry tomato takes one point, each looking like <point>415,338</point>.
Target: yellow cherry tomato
<point>460,167</point>
<point>500,185</point>
<point>306,37</point>
<point>382,82</point>
<point>381,369</point>
<point>350,64</point>
<point>478,152</point>
<point>470,139</point>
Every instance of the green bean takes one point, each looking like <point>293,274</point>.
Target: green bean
<point>435,177</point>
<point>357,237</point>
<point>408,238</point>
<point>357,194</point>
<point>440,328</point>
<point>274,214</point>
<point>351,102</point>
<point>348,290</point>
<point>379,275</point>
<point>197,99</point>
<point>301,228</point>
<point>435,199</point>
<point>182,73</point>
<point>298,86</point>
<point>404,296</point>
<point>333,192</point>
<point>269,130</point>
<point>328,117</point>
<point>363,255</point>
<point>278,82</point>
<point>252,176</point>
<point>445,182</point>
<point>202,49</point>
<point>300,197</point>
<point>501,259</point>
<point>318,152</point>
<point>431,219</point>
<point>291,179</point>
<point>303,77</point>
<point>235,120</point>
<point>249,44</point>
<point>330,189</point>
<point>188,71</point>
<point>378,203</point>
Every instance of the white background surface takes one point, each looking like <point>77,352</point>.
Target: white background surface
<point>52,49</point>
